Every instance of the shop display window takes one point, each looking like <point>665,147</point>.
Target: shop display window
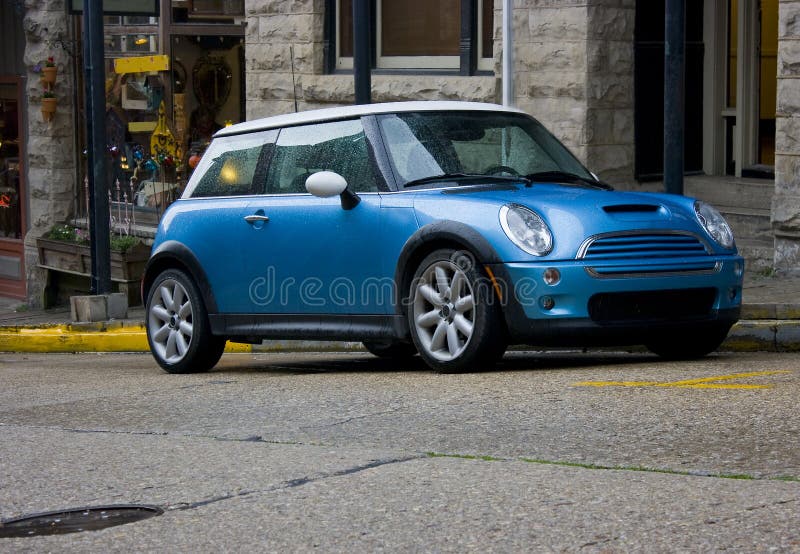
<point>160,119</point>
<point>10,205</point>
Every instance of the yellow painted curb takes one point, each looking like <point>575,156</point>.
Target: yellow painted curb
<point>61,338</point>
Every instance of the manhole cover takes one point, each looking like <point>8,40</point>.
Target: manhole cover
<point>75,520</point>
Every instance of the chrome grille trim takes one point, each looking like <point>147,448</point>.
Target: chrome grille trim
<point>638,235</point>
<point>625,254</point>
<point>592,272</point>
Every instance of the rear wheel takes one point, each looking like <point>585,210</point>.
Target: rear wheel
<point>688,344</point>
<point>390,349</point>
<point>455,319</point>
<point>177,325</point>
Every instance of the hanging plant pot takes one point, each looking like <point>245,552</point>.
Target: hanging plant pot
<point>49,75</point>
<point>49,108</point>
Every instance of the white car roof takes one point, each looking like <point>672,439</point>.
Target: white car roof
<point>344,112</point>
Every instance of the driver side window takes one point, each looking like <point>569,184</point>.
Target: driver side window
<point>339,146</point>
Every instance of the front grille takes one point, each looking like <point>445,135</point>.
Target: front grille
<point>655,245</point>
<point>646,253</point>
<point>660,305</point>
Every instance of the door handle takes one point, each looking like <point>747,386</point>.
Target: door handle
<point>255,218</point>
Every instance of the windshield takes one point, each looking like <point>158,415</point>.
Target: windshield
<point>429,144</point>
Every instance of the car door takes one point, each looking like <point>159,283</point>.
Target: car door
<point>310,255</point>
<point>211,215</point>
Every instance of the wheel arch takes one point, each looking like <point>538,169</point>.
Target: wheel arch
<point>175,255</point>
<point>431,237</point>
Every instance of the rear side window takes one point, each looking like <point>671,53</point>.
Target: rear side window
<point>339,146</point>
<point>231,166</point>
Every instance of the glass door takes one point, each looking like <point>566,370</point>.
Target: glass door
<point>12,190</point>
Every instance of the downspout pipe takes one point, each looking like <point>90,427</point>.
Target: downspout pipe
<point>508,53</point>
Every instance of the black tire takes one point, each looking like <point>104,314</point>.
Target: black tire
<point>455,318</point>
<point>689,344</point>
<point>177,325</point>
<point>390,349</point>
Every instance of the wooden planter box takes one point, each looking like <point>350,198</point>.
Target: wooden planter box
<point>76,259</point>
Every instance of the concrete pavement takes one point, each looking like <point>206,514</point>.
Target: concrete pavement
<point>345,452</point>
<point>770,322</point>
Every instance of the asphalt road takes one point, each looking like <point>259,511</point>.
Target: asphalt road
<point>344,452</point>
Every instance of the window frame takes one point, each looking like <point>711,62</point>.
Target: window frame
<point>468,62</point>
<point>375,155</point>
<point>268,137</point>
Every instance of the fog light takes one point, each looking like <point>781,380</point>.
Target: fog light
<point>732,293</point>
<point>551,276</point>
<point>738,268</point>
<point>547,302</point>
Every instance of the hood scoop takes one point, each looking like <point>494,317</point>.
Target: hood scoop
<point>631,208</point>
<point>636,212</point>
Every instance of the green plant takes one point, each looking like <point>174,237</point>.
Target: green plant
<point>68,233</point>
<point>48,94</point>
<point>767,272</point>
<point>50,62</point>
<point>123,243</point>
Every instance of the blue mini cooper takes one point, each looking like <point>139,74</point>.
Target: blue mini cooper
<point>444,229</point>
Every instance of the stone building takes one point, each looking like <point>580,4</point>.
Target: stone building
<point>590,70</point>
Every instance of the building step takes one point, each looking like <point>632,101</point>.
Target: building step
<point>729,192</point>
<point>748,223</point>
<point>758,254</point>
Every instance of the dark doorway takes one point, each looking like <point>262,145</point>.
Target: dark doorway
<point>649,89</point>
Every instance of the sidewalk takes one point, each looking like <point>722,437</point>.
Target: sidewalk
<point>770,322</point>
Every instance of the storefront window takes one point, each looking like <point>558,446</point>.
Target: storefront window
<point>167,92</point>
<point>207,89</point>
<point>10,213</point>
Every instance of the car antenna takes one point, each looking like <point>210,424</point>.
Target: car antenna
<point>294,90</point>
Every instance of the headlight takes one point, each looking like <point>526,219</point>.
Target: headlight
<point>714,223</point>
<point>526,229</point>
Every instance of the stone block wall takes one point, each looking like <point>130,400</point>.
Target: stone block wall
<point>51,155</point>
<point>786,201</point>
<point>574,72</point>
<point>609,129</point>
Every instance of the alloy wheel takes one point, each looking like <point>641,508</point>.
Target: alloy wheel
<point>444,310</point>
<point>170,321</point>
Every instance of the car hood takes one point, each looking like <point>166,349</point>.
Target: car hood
<point>572,213</point>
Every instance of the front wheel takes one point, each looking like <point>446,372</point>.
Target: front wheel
<point>455,318</point>
<point>688,344</point>
<point>177,325</point>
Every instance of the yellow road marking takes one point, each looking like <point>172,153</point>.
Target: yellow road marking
<point>702,383</point>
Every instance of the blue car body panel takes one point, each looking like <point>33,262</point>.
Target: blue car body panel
<point>314,257</point>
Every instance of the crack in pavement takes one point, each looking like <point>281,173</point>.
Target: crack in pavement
<point>353,418</point>
<point>249,438</point>
<point>293,483</point>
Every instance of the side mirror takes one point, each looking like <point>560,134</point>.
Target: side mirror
<point>325,184</point>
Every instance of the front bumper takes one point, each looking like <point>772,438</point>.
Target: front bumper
<point>582,309</point>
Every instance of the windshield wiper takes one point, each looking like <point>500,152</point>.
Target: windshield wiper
<point>566,177</point>
<point>467,177</point>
